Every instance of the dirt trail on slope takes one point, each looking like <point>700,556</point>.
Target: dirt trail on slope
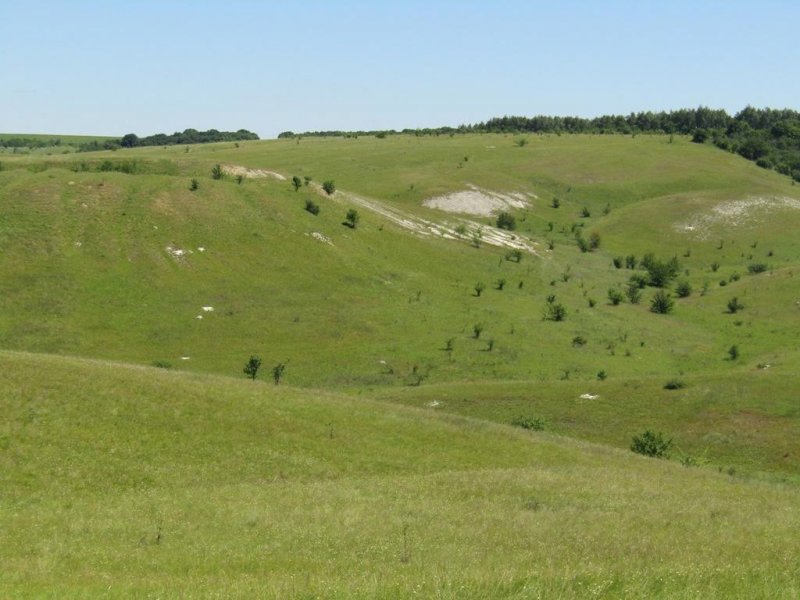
<point>462,229</point>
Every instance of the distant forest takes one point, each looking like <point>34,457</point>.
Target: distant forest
<point>188,136</point>
<point>769,137</point>
<point>131,140</point>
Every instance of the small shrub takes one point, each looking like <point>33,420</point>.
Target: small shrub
<point>699,136</point>
<point>306,180</point>
<point>630,262</point>
<point>239,179</point>
<point>683,289</point>
<point>477,329</point>
<point>312,207</point>
<point>714,266</point>
<point>660,272</point>
<point>216,172</point>
<point>500,284</point>
<point>582,244</point>
<point>479,287</point>
<point>521,142</point>
<point>634,293</point>
<point>733,352</point>
<point>194,185</point>
<point>490,344</point>
<point>734,305</point>
<point>555,203</point>
<point>756,268</point>
<point>277,372</point>
<point>734,277</point>
<point>651,444</point>
<point>674,384</point>
<point>477,238</point>
<point>592,302</point>
<point>162,364</point>
<point>555,312</point>
<point>329,187</point>
<point>579,341</point>
<point>507,221</point>
<point>417,376</point>
<point>661,303</point>
<point>615,297</point>
<point>602,375</point>
<point>617,261</point>
<point>638,280</point>
<point>296,183</point>
<point>514,255</point>
<point>585,213</point>
<point>594,241</point>
<point>532,423</point>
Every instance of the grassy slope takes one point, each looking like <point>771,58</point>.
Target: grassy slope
<point>121,481</point>
<point>379,294</point>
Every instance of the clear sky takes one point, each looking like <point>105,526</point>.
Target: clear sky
<point>147,66</point>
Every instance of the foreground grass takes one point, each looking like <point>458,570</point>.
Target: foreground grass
<point>121,481</point>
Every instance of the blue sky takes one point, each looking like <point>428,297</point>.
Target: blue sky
<point>119,66</point>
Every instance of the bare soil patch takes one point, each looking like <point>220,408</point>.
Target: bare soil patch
<point>236,170</point>
<point>478,202</point>
<point>735,213</point>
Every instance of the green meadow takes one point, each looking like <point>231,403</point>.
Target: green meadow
<point>138,460</point>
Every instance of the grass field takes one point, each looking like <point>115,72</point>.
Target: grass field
<point>385,460</point>
<point>123,481</point>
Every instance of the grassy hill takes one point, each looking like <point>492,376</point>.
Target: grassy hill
<point>121,480</point>
<point>397,368</point>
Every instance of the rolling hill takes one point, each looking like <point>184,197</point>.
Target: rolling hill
<point>385,459</point>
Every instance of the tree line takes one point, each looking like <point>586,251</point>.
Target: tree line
<point>131,140</point>
<point>23,142</point>
<point>187,136</point>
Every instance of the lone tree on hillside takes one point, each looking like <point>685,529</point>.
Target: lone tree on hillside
<point>277,372</point>
<point>329,187</point>
<point>216,172</point>
<point>296,182</point>
<point>351,218</point>
<point>252,366</point>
